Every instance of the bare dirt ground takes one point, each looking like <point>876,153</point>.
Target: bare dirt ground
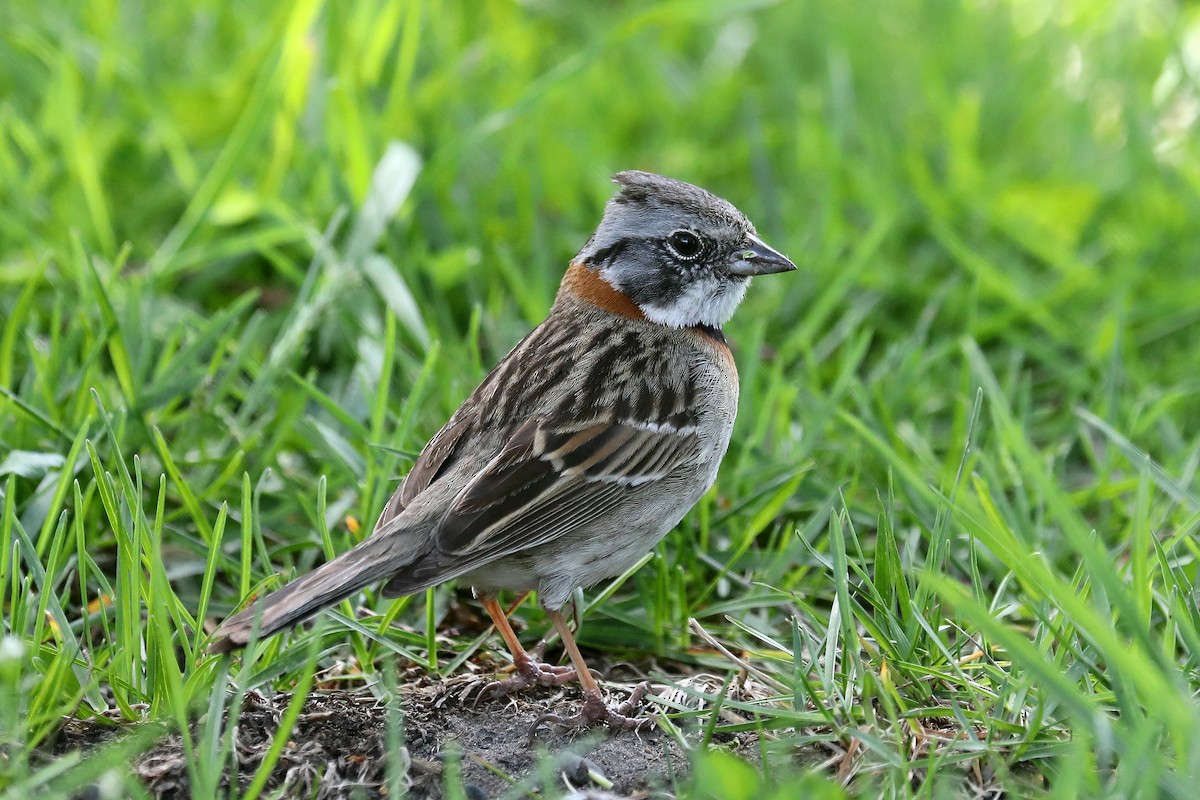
<point>338,747</point>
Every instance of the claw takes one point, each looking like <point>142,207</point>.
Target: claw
<point>529,673</point>
<point>538,652</point>
<point>479,689</point>
<point>635,699</point>
<point>595,712</point>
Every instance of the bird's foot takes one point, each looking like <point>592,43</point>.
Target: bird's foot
<point>596,712</point>
<point>529,673</point>
<point>534,673</point>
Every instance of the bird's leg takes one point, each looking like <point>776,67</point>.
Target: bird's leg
<point>594,710</point>
<point>530,671</point>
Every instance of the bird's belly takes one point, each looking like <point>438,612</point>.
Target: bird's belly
<point>604,548</point>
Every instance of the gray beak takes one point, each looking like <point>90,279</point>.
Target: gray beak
<point>758,258</point>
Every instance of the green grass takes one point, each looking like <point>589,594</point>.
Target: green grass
<point>253,255</point>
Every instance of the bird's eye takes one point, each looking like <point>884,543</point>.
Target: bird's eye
<point>685,244</point>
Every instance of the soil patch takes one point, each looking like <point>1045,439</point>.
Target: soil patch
<point>339,748</point>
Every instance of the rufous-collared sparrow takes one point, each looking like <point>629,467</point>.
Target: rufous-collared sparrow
<point>583,447</point>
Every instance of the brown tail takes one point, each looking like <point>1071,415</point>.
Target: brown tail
<point>369,562</point>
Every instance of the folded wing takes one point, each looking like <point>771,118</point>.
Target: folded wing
<point>551,477</point>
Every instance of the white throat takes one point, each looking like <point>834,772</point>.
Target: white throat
<point>703,301</point>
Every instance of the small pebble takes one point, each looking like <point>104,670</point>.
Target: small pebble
<point>579,770</point>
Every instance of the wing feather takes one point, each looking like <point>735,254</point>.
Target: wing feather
<point>552,477</point>
<point>434,459</point>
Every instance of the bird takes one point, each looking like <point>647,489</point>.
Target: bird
<point>582,448</point>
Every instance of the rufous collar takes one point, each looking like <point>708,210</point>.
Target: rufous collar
<point>586,284</point>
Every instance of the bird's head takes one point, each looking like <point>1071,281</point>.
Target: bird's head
<point>681,254</point>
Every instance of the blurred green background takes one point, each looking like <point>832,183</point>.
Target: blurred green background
<point>1027,151</point>
<point>282,241</point>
